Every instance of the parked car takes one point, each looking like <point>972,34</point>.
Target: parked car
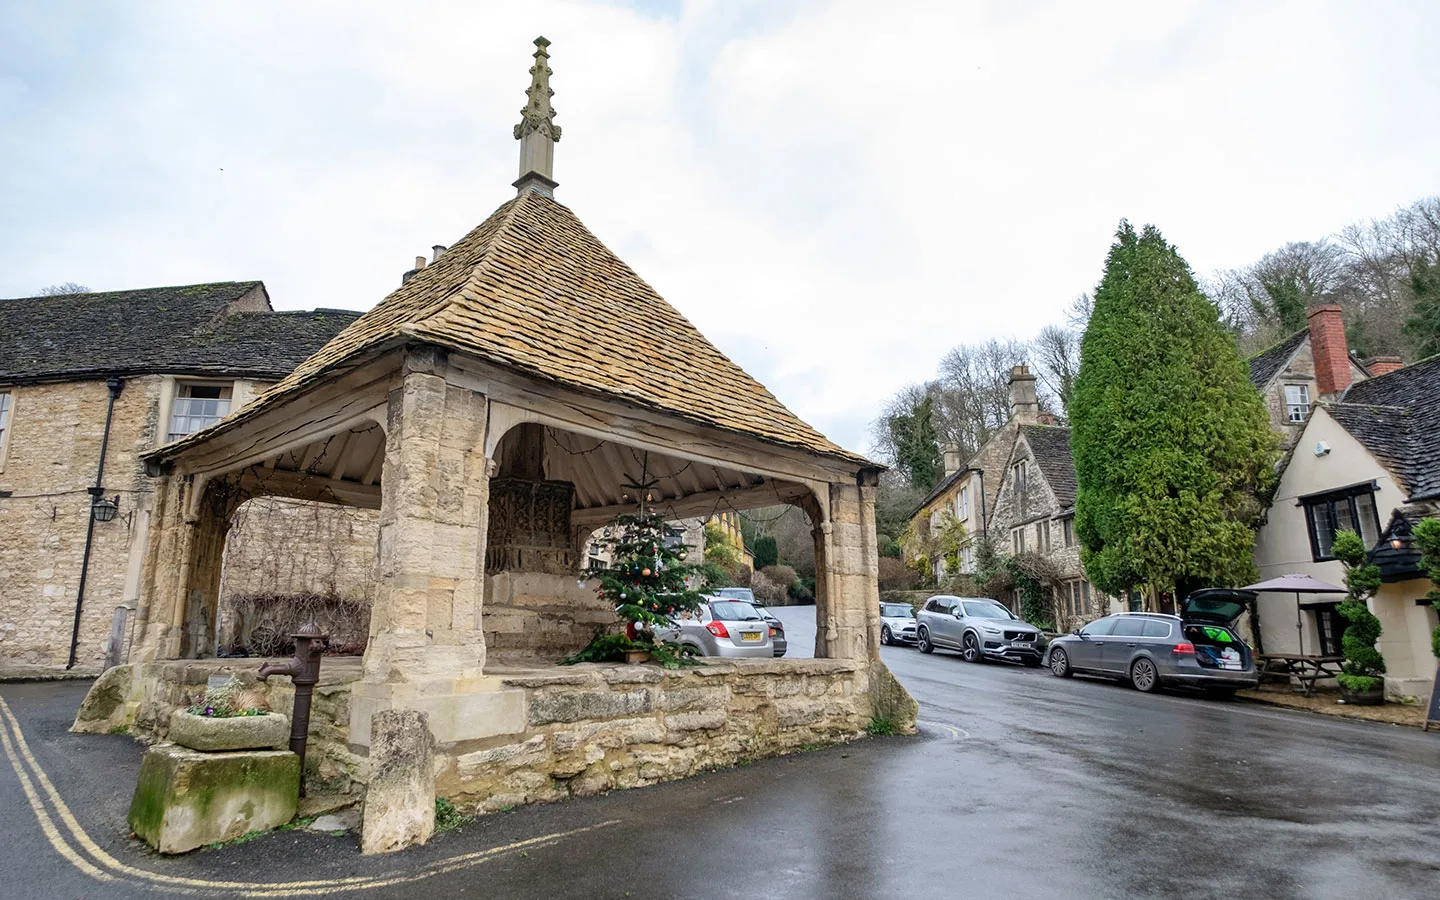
<point>777,628</point>
<point>1200,647</point>
<point>728,628</point>
<point>736,593</point>
<point>978,627</point>
<point>897,623</point>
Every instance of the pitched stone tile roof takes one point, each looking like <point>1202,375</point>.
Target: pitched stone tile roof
<point>1051,446</point>
<point>1265,364</point>
<point>187,330</point>
<point>1396,417</point>
<point>533,290</point>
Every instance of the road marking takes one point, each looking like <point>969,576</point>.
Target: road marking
<point>10,727</point>
<point>955,733</point>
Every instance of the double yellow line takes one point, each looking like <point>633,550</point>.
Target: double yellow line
<point>84,854</point>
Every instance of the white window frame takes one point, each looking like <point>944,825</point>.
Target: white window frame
<point>1017,540</point>
<point>962,503</point>
<point>179,401</point>
<point>1298,408</point>
<point>7,412</point>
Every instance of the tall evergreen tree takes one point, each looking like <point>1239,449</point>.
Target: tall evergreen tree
<point>1423,326</point>
<point>1171,441</point>
<point>917,444</point>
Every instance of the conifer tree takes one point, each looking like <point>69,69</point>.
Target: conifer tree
<point>1171,441</point>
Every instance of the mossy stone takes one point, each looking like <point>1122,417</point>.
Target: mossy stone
<point>186,799</point>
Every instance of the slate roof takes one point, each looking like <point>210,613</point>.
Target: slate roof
<point>1265,364</point>
<point>186,330</point>
<point>533,290</point>
<point>1396,417</point>
<point>1051,446</point>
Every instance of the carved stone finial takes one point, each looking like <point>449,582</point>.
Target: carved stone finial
<point>537,131</point>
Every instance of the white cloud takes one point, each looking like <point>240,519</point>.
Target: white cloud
<point>834,192</point>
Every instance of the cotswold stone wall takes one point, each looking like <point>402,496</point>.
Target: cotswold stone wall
<point>597,728</point>
<point>52,449</point>
<point>584,729</point>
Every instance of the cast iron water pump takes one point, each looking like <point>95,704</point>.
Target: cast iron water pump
<point>304,670</point>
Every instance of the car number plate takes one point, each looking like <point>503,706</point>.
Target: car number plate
<point>1023,645</point>
<point>752,636</point>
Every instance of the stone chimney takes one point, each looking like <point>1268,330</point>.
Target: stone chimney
<point>1327,345</point>
<point>537,131</point>
<point>438,250</point>
<point>1024,402</point>
<point>1383,365</point>
<point>952,459</point>
<point>1047,418</point>
<point>419,264</point>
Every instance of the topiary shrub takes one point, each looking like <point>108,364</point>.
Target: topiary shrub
<point>1364,666</point>
<point>1427,537</point>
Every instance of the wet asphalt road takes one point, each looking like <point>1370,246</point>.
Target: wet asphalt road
<point>1020,785</point>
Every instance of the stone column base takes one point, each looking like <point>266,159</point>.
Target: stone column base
<point>458,709</point>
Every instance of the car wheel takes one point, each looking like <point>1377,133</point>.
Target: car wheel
<point>885,637</point>
<point>1144,676</point>
<point>923,641</point>
<point>971,649</point>
<point>1060,663</point>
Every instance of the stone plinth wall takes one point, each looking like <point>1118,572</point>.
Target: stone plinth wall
<point>141,697</point>
<point>594,728</point>
<point>533,617</point>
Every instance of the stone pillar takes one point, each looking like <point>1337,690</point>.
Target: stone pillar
<point>847,569</point>
<point>426,648</point>
<point>399,809</point>
<point>180,577</point>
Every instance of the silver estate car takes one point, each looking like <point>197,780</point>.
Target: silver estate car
<point>1199,647</point>
<point>897,623</point>
<point>777,633</point>
<point>727,628</point>
<point>980,628</point>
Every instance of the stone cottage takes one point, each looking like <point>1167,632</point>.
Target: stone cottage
<point>1018,491</point>
<point>1313,364</point>
<point>1370,463</point>
<point>121,372</point>
<point>500,406</point>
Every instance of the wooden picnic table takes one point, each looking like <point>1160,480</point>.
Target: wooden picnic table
<point>1305,668</point>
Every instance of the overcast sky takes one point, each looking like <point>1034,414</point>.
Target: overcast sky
<point>835,193</point>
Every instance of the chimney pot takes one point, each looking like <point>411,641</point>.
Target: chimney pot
<point>419,262</point>
<point>438,249</point>
<point>1328,347</point>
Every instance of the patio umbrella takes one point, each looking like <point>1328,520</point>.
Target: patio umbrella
<point>1296,584</point>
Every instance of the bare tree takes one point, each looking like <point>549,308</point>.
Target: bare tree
<point>1056,352</point>
<point>57,290</point>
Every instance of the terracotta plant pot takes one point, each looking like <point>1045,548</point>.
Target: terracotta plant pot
<point>636,657</point>
<point>1372,697</point>
<point>214,735</point>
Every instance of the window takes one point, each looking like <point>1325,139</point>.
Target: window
<point>967,558</point>
<point>1129,626</point>
<point>1042,533</point>
<point>962,503</point>
<point>1099,627</point>
<point>197,406</point>
<point>1329,626</point>
<point>1297,402</point>
<point>1156,628</point>
<point>1348,509</point>
<point>1017,540</point>
<point>4,416</point>
<point>1067,530</point>
<point>1018,479</point>
<point>940,604</point>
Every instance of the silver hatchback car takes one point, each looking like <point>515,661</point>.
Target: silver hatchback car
<point>726,628</point>
<point>1199,647</point>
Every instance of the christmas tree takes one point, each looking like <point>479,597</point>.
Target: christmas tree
<point>648,583</point>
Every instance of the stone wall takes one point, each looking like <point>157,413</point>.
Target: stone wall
<point>530,616</point>
<point>581,730</point>
<point>52,451</point>
<point>597,728</point>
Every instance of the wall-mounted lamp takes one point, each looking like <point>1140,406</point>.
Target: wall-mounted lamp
<point>103,509</point>
<point>1322,448</point>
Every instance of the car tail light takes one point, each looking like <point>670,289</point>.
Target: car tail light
<point>772,631</point>
<point>718,629</point>
<point>1186,649</point>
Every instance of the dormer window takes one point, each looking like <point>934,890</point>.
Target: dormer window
<point>1297,402</point>
<point>196,406</point>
